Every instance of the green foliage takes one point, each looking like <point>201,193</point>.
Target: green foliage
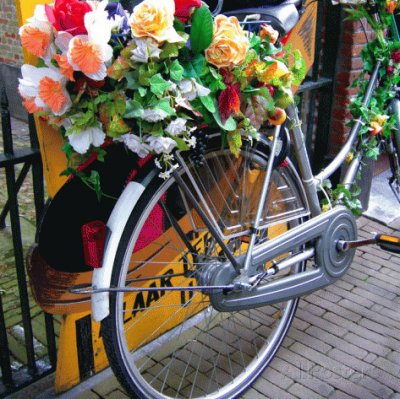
<point>201,32</point>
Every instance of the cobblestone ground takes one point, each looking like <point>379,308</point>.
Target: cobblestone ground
<point>8,277</point>
<point>344,342</point>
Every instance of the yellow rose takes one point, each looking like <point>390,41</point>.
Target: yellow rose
<point>230,43</point>
<point>155,19</point>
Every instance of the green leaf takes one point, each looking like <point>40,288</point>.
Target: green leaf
<point>176,71</point>
<point>230,125</point>
<point>170,50</point>
<point>132,79</point>
<point>158,85</point>
<point>146,72</point>
<point>180,143</point>
<point>142,91</point>
<point>178,25</point>
<point>235,142</point>
<point>208,102</point>
<point>165,105</point>
<point>201,32</point>
<point>133,109</point>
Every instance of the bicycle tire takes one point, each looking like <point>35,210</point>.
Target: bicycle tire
<point>203,353</point>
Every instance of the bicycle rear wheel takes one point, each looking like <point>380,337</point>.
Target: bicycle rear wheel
<point>169,344</point>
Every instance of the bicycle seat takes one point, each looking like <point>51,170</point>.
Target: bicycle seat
<point>282,16</point>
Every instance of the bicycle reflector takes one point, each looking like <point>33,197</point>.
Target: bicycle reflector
<point>93,240</point>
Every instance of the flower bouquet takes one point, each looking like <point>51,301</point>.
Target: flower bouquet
<point>152,78</point>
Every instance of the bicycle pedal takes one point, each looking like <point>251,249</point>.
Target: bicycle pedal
<point>388,243</point>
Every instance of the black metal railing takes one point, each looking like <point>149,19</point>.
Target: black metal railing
<point>28,159</point>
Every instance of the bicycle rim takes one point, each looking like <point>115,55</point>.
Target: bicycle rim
<point>174,344</point>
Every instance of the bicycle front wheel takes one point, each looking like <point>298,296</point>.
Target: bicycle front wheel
<point>174,344</point>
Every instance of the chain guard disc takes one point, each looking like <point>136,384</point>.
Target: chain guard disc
<point>328,255</point>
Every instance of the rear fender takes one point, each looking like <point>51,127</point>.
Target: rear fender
<point>115,226</point>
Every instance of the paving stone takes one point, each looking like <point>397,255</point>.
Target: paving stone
<point>391,264</point>
<point>366,344</point>
<point>385,380</point>
<point>340,395</point>
<point>253,394</point>
<point>365,264</point>
<point>302,376</point>
<point>117,395</point>
<point>309,340</point>
<point>329,296</point>
<point>363,332</point>
<point>373,273</point>
<point>390,331</point>
<point>368,286</point>
<point>309,307</point>
<point>302,392</point>
<point>387,303</point>
<point>322,323</point>
<point>370,358</point>
<point>277,378</point>
<point>270,390</point>
<point>105,387</point>
<point>336,308</point>
<point>348,347</point>
<point>388,366</point>
<point>87,395</point>
<point>351,295</point>
<point>369,314</point>
<point>394,357</point>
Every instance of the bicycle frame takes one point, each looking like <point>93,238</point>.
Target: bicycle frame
<point>319,228</point>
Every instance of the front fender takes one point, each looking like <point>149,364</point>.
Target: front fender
<point>116,224</point>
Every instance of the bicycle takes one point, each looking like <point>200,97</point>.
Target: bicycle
<point>213,260</point>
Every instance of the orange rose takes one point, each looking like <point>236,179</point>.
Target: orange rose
<point>230,43</point>
<point>391,6</point>
<point>155,19</point>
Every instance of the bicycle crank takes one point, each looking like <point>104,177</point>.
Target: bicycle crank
<point>386,242</point>
<point>323,232</point>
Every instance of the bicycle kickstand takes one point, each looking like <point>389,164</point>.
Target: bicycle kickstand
<point>384,241</point>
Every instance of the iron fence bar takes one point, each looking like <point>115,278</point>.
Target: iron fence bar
<point>16,236</point>
<point>19,156</point>
<point>5,363</point>
<point>37,172</point>
<point>20,180</point>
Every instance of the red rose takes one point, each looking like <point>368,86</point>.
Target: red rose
<point>395,56</point>
<point>183,8</point>
<point>68,16</point>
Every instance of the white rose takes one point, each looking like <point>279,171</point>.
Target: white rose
<point>176,127</point>
<point>81,141</point>
<point>134,143</point>
<point>161,144</point>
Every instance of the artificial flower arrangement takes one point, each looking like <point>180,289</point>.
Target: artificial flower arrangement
<point>151,78</point>
<point>378,118</point>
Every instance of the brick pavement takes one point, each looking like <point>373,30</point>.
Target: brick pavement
<point>344,341</point>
